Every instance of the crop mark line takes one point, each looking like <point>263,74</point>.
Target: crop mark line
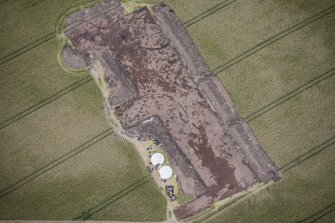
<point>55,163</point>
<point>114,198</point>
<point>290,95</point>
<point>204,12</point>
<point>208,12</point>
<point>44,102</point>
<point>312,152</point>
<point>316,216</point>
<point>27,48</point>
<point>272,39</point>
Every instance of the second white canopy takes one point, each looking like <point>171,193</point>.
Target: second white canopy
<point>165,172</point>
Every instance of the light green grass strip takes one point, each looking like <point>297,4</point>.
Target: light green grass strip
<point>131,6</point>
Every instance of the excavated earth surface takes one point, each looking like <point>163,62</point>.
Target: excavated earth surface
<point>161,88</point>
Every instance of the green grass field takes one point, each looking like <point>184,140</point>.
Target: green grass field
<point>127,210</point>
<point>82,182</point>
<point>299,124</point>
<point>30,83</point>
<point>58,128</point>
<point>327,216</point>
<point>282,66</point>
<point>59,159</point>
<point>29,21</point>
<point>243,25</point>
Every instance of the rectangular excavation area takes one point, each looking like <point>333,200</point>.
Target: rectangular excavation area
<point>154,72</point>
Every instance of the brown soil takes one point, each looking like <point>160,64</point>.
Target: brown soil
<point>161,88</point>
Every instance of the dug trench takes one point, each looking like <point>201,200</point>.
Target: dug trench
<point>154,72</point>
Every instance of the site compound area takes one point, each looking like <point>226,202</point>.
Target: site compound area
<point>159,88</point>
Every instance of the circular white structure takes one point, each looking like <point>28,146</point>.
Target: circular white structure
<point>157,158</point>
<point>165,172</point>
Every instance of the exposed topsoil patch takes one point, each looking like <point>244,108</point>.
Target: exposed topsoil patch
<point>161,88</point>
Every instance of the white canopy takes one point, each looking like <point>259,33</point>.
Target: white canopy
<point>165,172</point>
<point>157,158</point>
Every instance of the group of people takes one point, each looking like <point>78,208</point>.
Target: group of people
<point>170,192</point>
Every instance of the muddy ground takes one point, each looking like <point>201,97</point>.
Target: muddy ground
<point>159,87</point>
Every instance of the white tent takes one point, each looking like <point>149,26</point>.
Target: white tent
<point>165,172</point>
<point>157,158</point>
